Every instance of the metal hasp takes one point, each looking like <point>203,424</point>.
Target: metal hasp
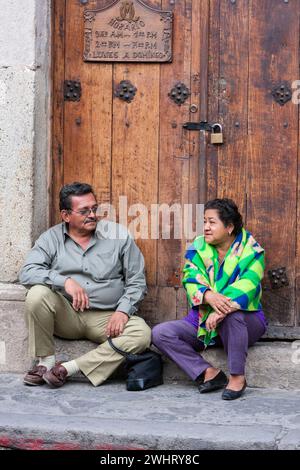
<point>278,278</point>
<point>215,137</point>
<point>282,93</point>
<point>197,126</point>
<point>126,91</point>
<point>179,93</point>
<point>72,90</point>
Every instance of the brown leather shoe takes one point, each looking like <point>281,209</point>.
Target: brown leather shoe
<point>35,376</point>
<point>57,376</point>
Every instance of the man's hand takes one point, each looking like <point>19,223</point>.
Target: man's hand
<point>78,294</point>
<point>116,324</point>
<point>213,320</point>
<point>218,302</point>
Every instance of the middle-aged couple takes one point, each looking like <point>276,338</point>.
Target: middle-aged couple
<point>86,279</point>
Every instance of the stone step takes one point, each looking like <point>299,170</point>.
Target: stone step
<point>270,364</point>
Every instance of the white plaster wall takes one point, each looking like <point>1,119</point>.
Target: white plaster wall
<point>17,33</point>
<point>24,125</point>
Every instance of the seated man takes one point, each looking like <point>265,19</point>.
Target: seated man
<point>86,281</point>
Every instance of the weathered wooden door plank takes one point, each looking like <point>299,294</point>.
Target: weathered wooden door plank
<point>273,145</point>
<point>135,150</point>
<point>87,122</point>
<point>58,73</point>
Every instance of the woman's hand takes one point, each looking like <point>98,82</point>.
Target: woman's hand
<point>213,320</point>
<point>221,304</point>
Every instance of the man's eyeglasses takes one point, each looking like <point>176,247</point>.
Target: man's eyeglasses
<point>86,212</point>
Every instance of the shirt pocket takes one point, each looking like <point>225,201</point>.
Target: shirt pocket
<point>107,265</point>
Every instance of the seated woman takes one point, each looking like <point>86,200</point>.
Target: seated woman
<point>222,278</point>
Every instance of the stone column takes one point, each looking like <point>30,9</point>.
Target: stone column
<point>24,154</point>
<point>24,124</point>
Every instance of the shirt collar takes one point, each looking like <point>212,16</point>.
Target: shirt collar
<point>65,228</point>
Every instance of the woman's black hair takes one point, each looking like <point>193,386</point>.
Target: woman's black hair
<point>73,189</point>
<point>228,213</point>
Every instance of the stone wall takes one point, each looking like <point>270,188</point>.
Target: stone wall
<point>24,128</point>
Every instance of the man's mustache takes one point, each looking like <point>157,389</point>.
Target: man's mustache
<point>90,220</point>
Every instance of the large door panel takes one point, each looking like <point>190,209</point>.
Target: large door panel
<point>231,56</point>
<point>255,51</point>
<point>138,149</point>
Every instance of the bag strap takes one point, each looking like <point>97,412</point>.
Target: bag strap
<point>120,351</point>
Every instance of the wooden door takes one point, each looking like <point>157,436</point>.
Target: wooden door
<point>254,49</point>
<point>138,149</point>
<point>231,56</point>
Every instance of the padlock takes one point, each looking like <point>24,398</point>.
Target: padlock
<point>216,136</point>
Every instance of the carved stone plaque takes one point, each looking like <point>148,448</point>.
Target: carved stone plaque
<point>128,31</point>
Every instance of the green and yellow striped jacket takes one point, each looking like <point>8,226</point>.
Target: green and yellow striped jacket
<point>238,277</point>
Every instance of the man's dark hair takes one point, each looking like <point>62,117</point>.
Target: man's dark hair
<point>73,189</point>
<point>228,213</point>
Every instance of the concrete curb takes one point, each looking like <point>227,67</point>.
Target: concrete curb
<point>168,417</point>
<point>71,433</point>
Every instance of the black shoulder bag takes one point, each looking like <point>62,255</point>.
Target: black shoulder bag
<point>143,370</point>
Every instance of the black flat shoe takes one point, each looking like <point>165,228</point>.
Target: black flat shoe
<point>199,380</point>
<point>233,394</point>
<point>216,383</point>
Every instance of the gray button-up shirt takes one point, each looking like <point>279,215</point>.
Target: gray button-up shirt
<point>111,269</point>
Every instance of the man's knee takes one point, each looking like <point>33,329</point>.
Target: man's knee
<point>35,296</point>
<point>142,334</point>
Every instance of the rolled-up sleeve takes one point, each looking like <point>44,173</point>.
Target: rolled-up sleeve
<point>135,283</point>
<point>37,266</point>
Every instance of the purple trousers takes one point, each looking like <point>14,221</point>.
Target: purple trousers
<point>178,340</point>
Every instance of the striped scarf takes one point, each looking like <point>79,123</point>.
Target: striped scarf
<point>238,277</point>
